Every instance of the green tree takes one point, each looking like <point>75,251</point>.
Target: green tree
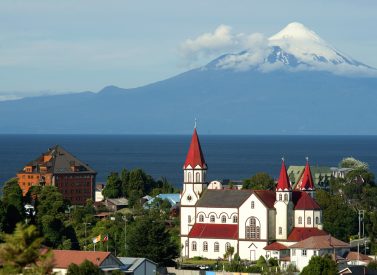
<point>156,243</point>
<point>85,268</point>
<point>22,249</point>
<point>339,219</point>
<point>260,181</point>
<point>12,205</point>
<point>52,220</point>
<point>320,266</point>
<point>113,187</point>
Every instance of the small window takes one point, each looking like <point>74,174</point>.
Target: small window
<point>193,246</point>
<point>197,177</point>
<point>252,205</point>
<point>303,252</point>
<point>316,220</point>
<point>188,177</point>
<point>212,218</point>
<point>223,219</point>
<point>235,219</point>
<point>216,247</point>
<point>189,219</point>
<point>205,246</point>
<point>315,253</point>
<point>286,197</point>
<point>309,220</point>
<point>280,197</point>
<point>227,245</point>
<point>300,220</point>
<point>201,218</point>
<point>280,230</point>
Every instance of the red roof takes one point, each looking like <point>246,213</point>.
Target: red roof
<point>283,182</point>
<point>299,233</point>
<point>303,201</point>
<point>267,197</point>
<point>211,230</point>
<point>63,258</point>
<point>275,246</point>
<point>195,155</point>
<point>306,182</point>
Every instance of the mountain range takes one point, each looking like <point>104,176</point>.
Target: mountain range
<point>292,83</point>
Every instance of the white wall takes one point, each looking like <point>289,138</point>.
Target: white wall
<point>210,254</point>
<point>218,213</point>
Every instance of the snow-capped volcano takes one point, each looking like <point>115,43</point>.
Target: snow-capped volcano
<point>295,48</point>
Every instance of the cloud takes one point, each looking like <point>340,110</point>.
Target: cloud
<point>222,40</point>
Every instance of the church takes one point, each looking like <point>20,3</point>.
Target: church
<point>254,222</point>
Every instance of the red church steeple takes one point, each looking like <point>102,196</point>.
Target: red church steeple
<point>195,155</point>
<point>306,183</point>
<point>283,182</point>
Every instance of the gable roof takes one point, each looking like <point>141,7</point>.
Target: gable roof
<point>301,233</point>
<point>131,264</point>
<point>195,155</point>
<point>320,242</point>
<point>224,198</point>
<point>303,201</point>
<point>275,246</point>
<point>283,182</point>
<point>63,258</point>
<point>266,196</point>
<point>212,230</point>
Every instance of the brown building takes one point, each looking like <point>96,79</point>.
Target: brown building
<point>74,179</point>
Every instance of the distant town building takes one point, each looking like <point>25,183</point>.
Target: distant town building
<point>106,261</point>
<point>340,172</point>
<point>321,175</point>
<point>98,193</point>
<point>138,266</point>
<point>116,204</point>
<point>57,167</point>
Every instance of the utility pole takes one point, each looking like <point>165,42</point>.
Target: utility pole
<point>361,218</point>
<point>85,223</point>
<point>125,235</point>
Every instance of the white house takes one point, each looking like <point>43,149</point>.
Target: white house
<point>214,218</point>
<point>302,252</point>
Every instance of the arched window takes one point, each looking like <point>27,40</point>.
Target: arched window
<point>227,245</point>
<point>188,177</point>
<point>223,219</point>
<point>285,197</point>
<point>201,218</point>
<point>252,204</point>
<point>197,177</point>
<point>193,246</point>
<point>316,220</point>
<point>235,219</point>
<point>189,218</point>
<point>280,197</point>
<point>300,220</point>
<point>205,246</point>
<point>216,247</point>
<point>212,218</point>
<point>252,228</point>
<point>186,243</point>
<point>309,220</point>
<point>280,230</point>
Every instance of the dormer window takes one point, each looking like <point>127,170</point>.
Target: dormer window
<point>201,218</point>
<point>235,219</point>
<point>212,218</point>
<point>223,219</point>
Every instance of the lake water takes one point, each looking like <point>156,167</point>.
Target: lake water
<point>228,157</point>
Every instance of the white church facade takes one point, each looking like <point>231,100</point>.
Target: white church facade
<point>254,222</point>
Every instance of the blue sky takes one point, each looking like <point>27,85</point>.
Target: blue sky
<point>62,46</point>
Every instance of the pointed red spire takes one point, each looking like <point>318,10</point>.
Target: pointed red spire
<point>283,182</point>
<point>195,155</point>
<point>306,182</point>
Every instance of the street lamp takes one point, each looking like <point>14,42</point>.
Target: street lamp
<point>85,224</point>
<point>125,234</point>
